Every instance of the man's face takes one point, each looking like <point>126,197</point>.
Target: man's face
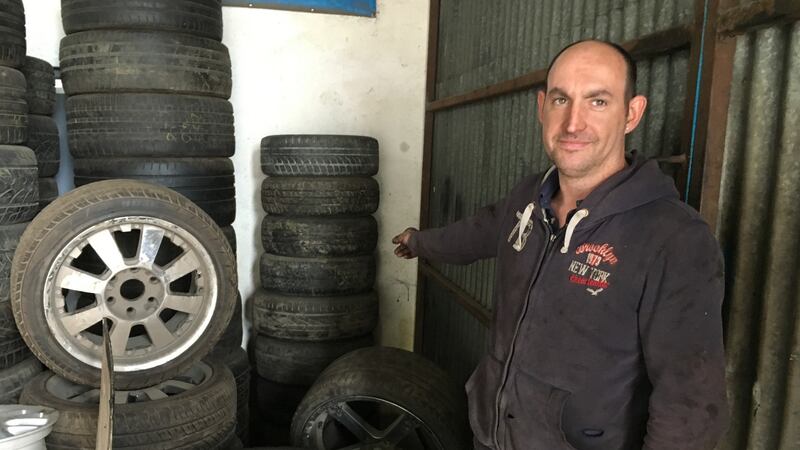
<point>584,114</point>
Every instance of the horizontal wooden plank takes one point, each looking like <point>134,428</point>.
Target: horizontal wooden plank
<point>462,297</point>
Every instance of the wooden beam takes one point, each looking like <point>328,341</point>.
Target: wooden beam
<point>427,152</point>
<point>642,48</point>
<point>467,301</point>
<point>743,18</point>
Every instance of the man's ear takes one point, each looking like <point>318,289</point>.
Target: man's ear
<point>540,95</point>
<point>636,109</point>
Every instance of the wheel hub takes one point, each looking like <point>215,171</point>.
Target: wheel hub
<point>134,294</point>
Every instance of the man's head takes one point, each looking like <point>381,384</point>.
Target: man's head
<point>588,107</point>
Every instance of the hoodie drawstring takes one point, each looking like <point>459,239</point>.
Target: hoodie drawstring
<point>573,222</point>
<point>523,225</point>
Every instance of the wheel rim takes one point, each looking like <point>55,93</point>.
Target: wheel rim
<point>64,389</point>
<point>152,279</point>
<point>368,423</point>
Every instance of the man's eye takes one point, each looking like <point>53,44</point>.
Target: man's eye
<point>599,102</point>
<point>559,101</point>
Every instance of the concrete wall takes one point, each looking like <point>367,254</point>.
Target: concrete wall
<point>315,73</point>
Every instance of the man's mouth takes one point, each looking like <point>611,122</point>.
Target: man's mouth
<point>573,144</point>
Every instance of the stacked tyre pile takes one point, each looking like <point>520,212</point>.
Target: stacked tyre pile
<point>43,136</point>
<point>165,302</point>
<point>318,268</point>
<point>147,85</point>
<point>18,193</point>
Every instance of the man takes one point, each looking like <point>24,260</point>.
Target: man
<point>607,330</point>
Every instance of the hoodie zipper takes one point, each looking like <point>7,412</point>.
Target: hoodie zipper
<point>551,238</point>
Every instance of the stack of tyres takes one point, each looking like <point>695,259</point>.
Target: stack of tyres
<point>43,136</point>
<point>148,86</point>
<point>318,268</point>
<point>18,193</point>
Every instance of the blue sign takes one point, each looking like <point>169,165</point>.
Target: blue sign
<point>351,7</point>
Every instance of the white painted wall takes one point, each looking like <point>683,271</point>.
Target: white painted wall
<point>317,73</point>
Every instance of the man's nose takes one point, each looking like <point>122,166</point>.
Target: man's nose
<point>574,120</point>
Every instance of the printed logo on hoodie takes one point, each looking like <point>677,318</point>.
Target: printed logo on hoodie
<point>593,270</point>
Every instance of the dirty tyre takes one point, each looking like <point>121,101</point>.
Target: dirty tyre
<point>12,33</point>
<point>144,61</point>
<point>13,107</point>
<point>19,185</point>
<point>195,410</point>
<point>300,363</point>
<point>237,361</point>
<point>149,125</point>
<point>427,404</point>
<point>317,276</point>
<point>9,239</point>
<point>230,235</point>
<point>169,298</point>
<point>208,182</point>
<point>314,318</point>
<point>43,139</point>
<point>319,196</point>
<point>232,337</point>
<point>277,402</point>
<point>48,191</point>
<point>197,17</point>
<point>319,155</point>
<point>319,236</point>
<point>41,82</point>
<point>12,351</point>
<point>8,328</point>
<point>15,377</point>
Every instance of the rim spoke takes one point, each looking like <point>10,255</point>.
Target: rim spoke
<point>188,304</point>
<point>179,384</point>
<point>184,264</point>
<point>106,247</point>
<point>119,337</point>
<point>160,336</point>
<point>149,244</point>
<point>399,429</point>
<point>79,321</point>
<point>356,424</point>
<point>77,280</point>
<point>155,394</point>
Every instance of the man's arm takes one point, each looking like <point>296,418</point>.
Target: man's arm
<point>461,242</point>
<point>681,331</point>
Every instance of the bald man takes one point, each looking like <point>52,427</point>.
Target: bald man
<point>607,329</point>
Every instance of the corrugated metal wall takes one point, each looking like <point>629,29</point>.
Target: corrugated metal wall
<point>482,149</point>
<point>759,229</point>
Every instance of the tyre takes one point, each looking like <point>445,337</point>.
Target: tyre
<point>14,378</point>
<point>236,360</point>
<point>9,239</point>
<point>317,276</point>
<point>314,318</point>
<point>319,155</point>
<point>41,91</point>
<point>19,185</point>
<point>149,125</point>
<point>319,196</point>
<point>206,181</point>
<point>197,17</point>
<point>276,402</point>
<point>299,363</point>
<point>232,337</point>
<point>12,351</point>
<point>420,406</point>
<point>230,235</point>
<point>12,33</point>
<point>13,108</point>
<point>144,61</point>
<point>319,236</point>
<point>48,191</point>
<point>8,328</point>
<point>194,410</point>
<point>44,141</point>
<point>166,281</point>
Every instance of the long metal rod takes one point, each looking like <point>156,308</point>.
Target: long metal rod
<point>745,18</point>
<point>468,302</point>
<point>645,47</point>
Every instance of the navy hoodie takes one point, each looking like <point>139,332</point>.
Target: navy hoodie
<point>607,333</point>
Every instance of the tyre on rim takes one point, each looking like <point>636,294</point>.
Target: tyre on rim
<point>139,255</point>
<point>381,397</point>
